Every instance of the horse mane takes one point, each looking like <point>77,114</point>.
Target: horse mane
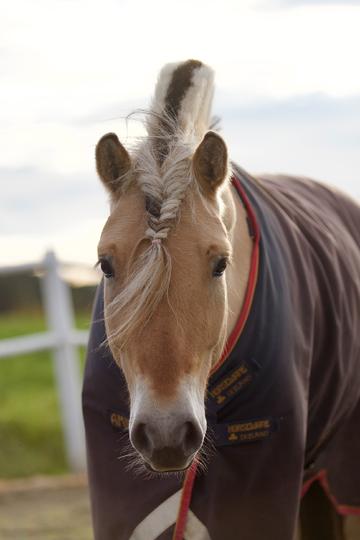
<point>176,123</point>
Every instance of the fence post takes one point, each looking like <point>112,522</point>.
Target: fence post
<point>60,318</point>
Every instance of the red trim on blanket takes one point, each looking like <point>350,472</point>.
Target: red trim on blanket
<point>251,285</point>
<point>230,344</point>
<point>342,509</point>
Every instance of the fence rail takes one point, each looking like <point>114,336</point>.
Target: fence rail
<point>63,339</point>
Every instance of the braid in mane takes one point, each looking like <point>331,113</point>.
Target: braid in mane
<point>149,280</point>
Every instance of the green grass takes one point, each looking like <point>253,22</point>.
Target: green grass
<point>31,439</point>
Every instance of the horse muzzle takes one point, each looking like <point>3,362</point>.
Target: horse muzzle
<point>167,444</point>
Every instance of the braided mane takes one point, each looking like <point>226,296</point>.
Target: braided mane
<point>176,123</point>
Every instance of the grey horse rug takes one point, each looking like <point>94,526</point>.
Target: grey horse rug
<point>283,404</point>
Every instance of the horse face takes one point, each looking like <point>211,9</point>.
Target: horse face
<point>168,354</point>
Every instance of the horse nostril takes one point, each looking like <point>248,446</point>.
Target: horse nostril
<point>140,438</point>
<point>193,438</point>
<point>167,445</point>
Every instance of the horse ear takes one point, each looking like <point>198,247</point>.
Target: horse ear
<point>112,161</point>
<point>210,162</point>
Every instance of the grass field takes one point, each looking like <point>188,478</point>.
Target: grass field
<point>31,440</point>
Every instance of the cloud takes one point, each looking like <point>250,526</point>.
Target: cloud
<point>38,202</point>
<point>312,135</point>
<point>294,3</point>
<point>286,90</point>
<point>42,210</point>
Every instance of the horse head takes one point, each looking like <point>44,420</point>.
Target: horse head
<point>164,251</point>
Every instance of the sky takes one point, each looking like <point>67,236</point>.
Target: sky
<point>287,93</point>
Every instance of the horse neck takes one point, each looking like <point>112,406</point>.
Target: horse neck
<point>237,274</point>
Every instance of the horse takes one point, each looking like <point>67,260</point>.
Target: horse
<point>222,382</point>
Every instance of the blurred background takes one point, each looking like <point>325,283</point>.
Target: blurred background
<point>288,95</point>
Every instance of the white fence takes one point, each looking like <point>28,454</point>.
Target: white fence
<point>62,338</point>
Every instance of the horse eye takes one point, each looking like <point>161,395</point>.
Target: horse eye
<point>106,268</point>
<point>220,267</point>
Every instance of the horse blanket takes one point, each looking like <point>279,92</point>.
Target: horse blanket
<point>283,404</point>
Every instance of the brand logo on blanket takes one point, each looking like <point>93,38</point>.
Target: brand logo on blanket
<point>243,432</point>
<point>233,383</point>
<point>249,431</point>
<point>119,421</point>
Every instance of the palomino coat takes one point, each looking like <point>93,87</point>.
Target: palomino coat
<point>283,405</point>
